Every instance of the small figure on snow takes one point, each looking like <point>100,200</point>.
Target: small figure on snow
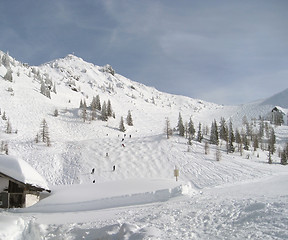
<point>114,168</point>
<point>93,170</point>
<point>93,181</point>
<point>123,145</point>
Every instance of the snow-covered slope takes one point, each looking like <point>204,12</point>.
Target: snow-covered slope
<point>146,158</point>
<point>279,99</point>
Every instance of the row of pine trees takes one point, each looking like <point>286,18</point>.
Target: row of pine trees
<point>253,135</point>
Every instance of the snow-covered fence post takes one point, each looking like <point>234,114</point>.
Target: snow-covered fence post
<point>176,173</point>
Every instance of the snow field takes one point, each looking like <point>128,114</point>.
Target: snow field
<point>235,198</point>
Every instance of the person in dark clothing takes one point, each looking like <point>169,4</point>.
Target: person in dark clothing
<point>93,170</point>
<point>114,168</point>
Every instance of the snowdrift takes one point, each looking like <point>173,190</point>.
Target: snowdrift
<point>88,197</point>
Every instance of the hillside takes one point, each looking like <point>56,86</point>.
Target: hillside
<point>78,146</point>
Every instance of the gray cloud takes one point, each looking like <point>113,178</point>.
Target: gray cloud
<point>223,51</point>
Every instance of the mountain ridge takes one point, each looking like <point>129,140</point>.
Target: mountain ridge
<point>77,145</point>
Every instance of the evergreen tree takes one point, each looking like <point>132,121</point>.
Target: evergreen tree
<point>129,119</point>
<point>238,138</point>
<point>269,155</point>
<point>272,141</point>
<point>261,129</point>
<point>231,138</point>
<point>189,140</point>
<point>109,109</point>
<point>180,126</point>
<point>98,103</point>
<point>199,133</point>
<point>84,111</point>
<point>8,127</point>
<point>81,104</point>
<point>44,90</point>
<point>245,142</point>
<point>167,129</point>
<point>191,129</point>
<point>223,130</point>
<point>255,142</point>
<point>44,133</point>
<point>284,155</point>
<point>93,103</point>
<point>214,139</point>
<point>104,116</point>
<point>121,125</point>
<point>8,76</point>
<point>4,116</point>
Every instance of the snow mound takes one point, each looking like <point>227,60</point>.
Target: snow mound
<point>21,171</point>
<point>87,197</point>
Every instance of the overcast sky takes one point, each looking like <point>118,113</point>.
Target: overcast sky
<point>224,51</point>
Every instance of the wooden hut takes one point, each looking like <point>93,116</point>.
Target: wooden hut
<point>20,184</point>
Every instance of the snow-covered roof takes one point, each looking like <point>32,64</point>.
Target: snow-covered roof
<point>283,110</point>
<point>21,171</point>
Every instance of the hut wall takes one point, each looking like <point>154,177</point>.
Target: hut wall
<point>31,199</point>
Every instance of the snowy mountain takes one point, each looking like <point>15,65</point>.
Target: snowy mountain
<point>84,151</point>
<point>279,99</point>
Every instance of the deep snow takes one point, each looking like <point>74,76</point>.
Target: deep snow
<point>235,198</point>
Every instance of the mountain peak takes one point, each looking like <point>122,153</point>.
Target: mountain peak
<point>278,99</point>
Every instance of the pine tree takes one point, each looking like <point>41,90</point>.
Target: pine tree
<point>167,129</point>
<point>231,138</point>
<point>121,125</point>
<point>8,76</point>
<point>245,142</point>
<point>109,109</point>
<point>84,111</point>
<point>272,141</point>
<point>284,155</point>
<point>223,131</point>
<point>180,126</point>
<point>44,133</point>
<point>238,138</point>
<point>44,90</point>
<point>199,133</point>
<point>255,142</point>
<point>104,116</point>
<point>214,139</point>
<point>129,119</point>
<point>269,155</point>
<point>98,103</point>
<point>191,129</point>
<point>4,116</point>
<point>8,127</point>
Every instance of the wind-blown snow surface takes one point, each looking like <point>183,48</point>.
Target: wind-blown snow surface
<point>235,198</point>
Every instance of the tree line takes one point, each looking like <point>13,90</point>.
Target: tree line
<point>252,135</point>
